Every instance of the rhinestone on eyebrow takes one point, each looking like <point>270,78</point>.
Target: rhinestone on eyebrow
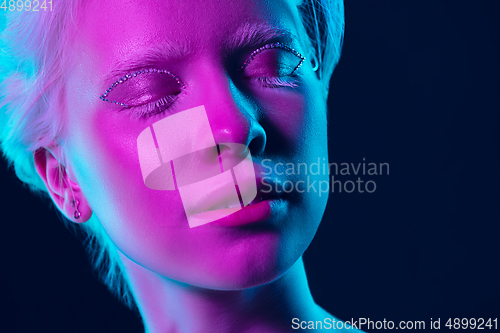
<point>104,96</point>
<point>273,46</point>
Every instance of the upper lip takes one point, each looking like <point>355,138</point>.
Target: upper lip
<point>267,194</point>
<point>221,197</point>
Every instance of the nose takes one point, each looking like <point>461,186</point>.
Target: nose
<point>232,115</point>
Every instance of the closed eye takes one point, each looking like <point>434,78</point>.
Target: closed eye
<point>145,92</point>
<point>273,66</point>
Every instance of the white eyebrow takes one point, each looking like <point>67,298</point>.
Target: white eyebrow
<point>253,34</point>
<point>146,58</point>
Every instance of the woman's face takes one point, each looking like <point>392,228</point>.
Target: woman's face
<point>279,112</point>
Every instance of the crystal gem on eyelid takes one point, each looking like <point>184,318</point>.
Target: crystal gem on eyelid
<point>272,46</point>
<point>151,70</point>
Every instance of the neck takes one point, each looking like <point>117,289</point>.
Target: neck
<point>169,306</point>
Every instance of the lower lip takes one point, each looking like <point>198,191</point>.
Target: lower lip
<point>258,212</point>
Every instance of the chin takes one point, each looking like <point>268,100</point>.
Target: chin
<point>243,272</point>
<point>245,279</point>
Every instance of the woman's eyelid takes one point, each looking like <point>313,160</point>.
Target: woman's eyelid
<point>278,45</point>
<point>104,97</point>
<point>153,108</point>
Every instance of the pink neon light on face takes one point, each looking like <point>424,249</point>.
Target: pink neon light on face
<point>204,43</point>
<point>211,185</point>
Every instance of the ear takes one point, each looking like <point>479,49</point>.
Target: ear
<point>64,191</point>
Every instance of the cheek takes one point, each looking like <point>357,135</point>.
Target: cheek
<point>286,111</point>
<point>105,152</point>
<point>108,154</point>
<point>299,115</point>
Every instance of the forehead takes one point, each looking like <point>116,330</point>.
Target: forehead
<point>121,28</point>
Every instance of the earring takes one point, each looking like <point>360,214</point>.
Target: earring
<point>75,204</point>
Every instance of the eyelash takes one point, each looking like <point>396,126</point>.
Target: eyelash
<point>276,82</point>
<point>156,107</point>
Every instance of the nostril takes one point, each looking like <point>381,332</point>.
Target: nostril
<point>257,145</point>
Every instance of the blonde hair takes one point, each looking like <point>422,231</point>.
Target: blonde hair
<point>33,59</point>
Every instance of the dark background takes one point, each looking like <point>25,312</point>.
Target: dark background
<point>417,87</point>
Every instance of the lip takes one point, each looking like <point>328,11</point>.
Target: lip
<point>221,197</point>
<point>257,212</point>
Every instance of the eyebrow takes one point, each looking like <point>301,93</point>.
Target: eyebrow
<point>146,58</point>
<point>257,34</point>
<point>246,36</point>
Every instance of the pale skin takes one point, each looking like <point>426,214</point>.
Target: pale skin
<point>204,279</point>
